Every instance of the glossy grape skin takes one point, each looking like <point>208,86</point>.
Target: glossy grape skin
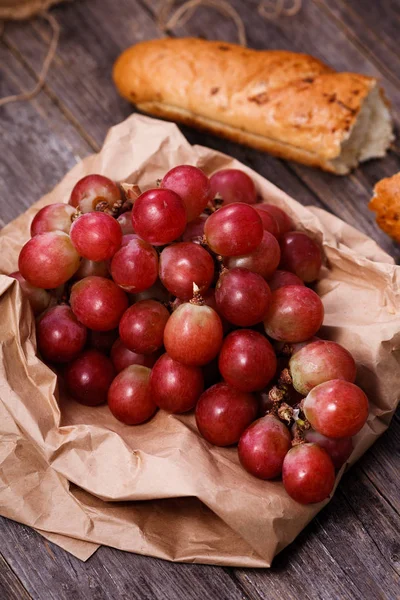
<point>135,266</point>
<point>142,326</point>
<point>300,255</point>
<point>122,357</point>
<point>336,408</point>
<point>318,362</point>
<point>281,278</point>
<point>92,190</point>
<point>89,377</point>
<point>194,231</point>
<point>339,449</point>
<point>128,237</point>
<point>263,261</point>
<point>192,186</point>
<point>294,315</point>
<point>125,221</point>
<point>156,292</point>
<point>308,473</point>
<point>96,236</point>
<point>102,340</point>
<point>91,267</point>
<point>182,265</point>
<point>223,413</point>
<point>247,360</point>
<point>175,387</point>
<point>98,303</point>
<point>234,230</point>
<point>129,397</point>
<point>193,334</point>
<point>233,185</point>
<point>242,297</point>
<point>269,222</point>
<point>282,219</point>
<point>54,217</point>
<point>39,299</point>
<point>48,259</point>
<point>159,216</point>
<point>60,336</point>
<point>263,447</point>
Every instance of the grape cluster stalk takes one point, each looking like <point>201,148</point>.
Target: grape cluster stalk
<point>196,295</point>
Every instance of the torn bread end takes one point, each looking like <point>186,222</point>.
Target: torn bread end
<point>370,136</point>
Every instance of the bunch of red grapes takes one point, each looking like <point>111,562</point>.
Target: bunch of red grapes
<point>189,296</point>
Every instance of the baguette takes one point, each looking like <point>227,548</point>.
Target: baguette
<point>291,105</point>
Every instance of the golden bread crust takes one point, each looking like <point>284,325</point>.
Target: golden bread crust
<point>386,205</point>
<point>289,104</point>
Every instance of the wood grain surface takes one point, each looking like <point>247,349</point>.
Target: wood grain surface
<point>352,549</point>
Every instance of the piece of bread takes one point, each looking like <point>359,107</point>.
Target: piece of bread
<point>288,104</point>
<point>386,204</point>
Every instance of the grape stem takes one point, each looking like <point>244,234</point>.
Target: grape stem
<point>300,427</point>
<point>197,299</point>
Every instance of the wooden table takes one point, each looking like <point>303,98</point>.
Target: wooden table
<point>352,549</point>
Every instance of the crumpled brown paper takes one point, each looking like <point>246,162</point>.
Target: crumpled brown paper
<point>83,479</point>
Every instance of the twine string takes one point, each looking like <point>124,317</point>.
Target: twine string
<point>51,52</point>
<point>185,12</point>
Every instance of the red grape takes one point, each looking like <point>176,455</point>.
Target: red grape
<point>128,237</point>
<point>142,326</point>
<point>60,336</point>
<point>318,362</point>
<point>223,413</point>
<point>98,303</point>
<point>122,357</point>
<point>339,449</point>
<point>102,340</point>
<point>129,397</point>
<point>90,267</point>
<point>233,185</point>
<point>282,278</point>
<point>182,265</point>
<point>54,217</point>
<point>135,266</point>
<point>263,260</point>
<point>194,231</point>
<point>38,298</point>
<point>89,377</point>
<point>269,222</point>
<point>96,236</point>
<point>336,408</point>
<point>94,190</point>
<point>295,314</point>
<point>159,216</point>
<point>156,292</point>
<point>242,297</point>
<point>300,255</point>
<point>263,446</point>
<point>247,360</point>
<point>48,259</point>
<point>193,334</point>
<point>308,473</point>
<point>192,185</point>
<point>282,219</point>
<point>125,221</point>
<point>234,230</point>
<point>175,387</point>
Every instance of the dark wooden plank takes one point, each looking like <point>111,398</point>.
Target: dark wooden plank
<point>374,27</point>
<point>85,23</point>
<point>50,573</point>
<point>38,144</point>
<point>347,197</point>
<point>10,586</point>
